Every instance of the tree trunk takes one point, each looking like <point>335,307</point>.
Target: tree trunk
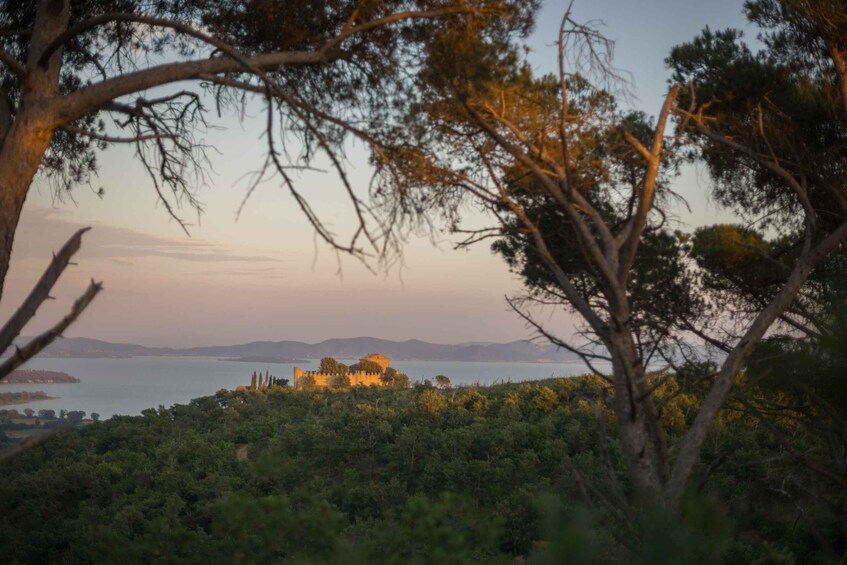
<point>638,445</point>
<point>20,159</point>
<point>692,443</point>
<point>29,136</point>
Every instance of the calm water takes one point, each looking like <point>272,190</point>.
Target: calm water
<point>128,386</point>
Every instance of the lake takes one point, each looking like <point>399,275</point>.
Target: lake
<point>128,386</point>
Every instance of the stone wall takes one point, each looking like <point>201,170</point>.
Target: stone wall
<point>358,378</point>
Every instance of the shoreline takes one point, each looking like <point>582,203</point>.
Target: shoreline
<point>13,402</point>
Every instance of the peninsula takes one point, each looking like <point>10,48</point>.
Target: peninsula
<point>23,397</point>
<point>36,376</point>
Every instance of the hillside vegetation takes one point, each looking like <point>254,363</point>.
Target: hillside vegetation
<point>395,476</point>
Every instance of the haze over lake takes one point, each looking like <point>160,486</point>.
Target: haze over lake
<point>128,386</point>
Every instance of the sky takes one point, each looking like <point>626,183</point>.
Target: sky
<point>264,276</point>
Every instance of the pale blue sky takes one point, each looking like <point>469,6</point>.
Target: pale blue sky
<point>264,277</point>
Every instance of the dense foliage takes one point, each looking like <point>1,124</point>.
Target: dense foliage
<point>332,366</point>
<point>368,367</point>
<point>786,102</point>
<point>389,475</point>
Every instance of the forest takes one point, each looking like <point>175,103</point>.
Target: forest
<point>420,475</point>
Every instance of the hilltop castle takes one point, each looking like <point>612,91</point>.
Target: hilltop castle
<point>357,378</point>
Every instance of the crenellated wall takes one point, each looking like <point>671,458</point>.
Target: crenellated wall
<point>358,378</point>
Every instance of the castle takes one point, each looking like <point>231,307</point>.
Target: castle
<point>357,378</point>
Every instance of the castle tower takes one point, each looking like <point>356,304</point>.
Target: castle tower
<point>378,358</point>
<point>298,372</point>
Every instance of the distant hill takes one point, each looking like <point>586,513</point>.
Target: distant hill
<point>344,348</point>
<point>82,347</point>
<point>266,359</point>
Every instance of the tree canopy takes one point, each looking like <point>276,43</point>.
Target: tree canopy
<point>333,367</point>
<point>491,474</point>
<point>368,367</point>
<point>394,378</point>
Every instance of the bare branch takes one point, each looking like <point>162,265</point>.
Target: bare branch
<point>115,139</point>
<point>586,357</point>
<point>592,250</point>
<point>90,98</point>
<point>41,292</point>
<point>635,227</point>
<point>9,60</point>
<point>37,344</point>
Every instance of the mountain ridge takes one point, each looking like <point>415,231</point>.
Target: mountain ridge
<point>345,348</point>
